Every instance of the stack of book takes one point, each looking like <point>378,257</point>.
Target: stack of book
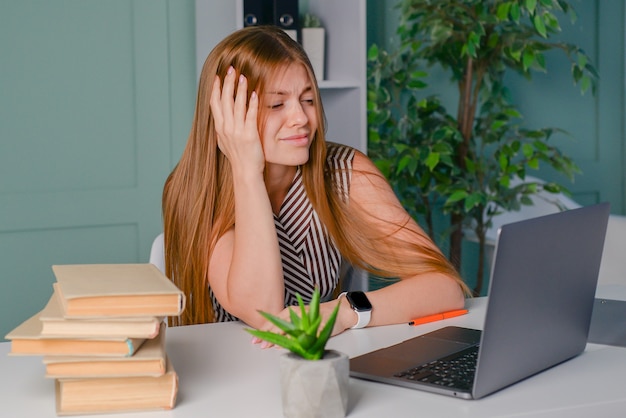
<point>102,338</point>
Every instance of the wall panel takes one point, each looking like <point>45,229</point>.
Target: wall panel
<point>88,128</point>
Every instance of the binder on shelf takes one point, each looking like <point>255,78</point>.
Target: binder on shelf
<point>286,16</point>
<point>281,13</point>
<point>258,12</point>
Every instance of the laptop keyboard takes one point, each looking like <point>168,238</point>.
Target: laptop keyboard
<point>456,370</point>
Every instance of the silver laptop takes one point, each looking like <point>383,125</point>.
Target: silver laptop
<point>541,297</point>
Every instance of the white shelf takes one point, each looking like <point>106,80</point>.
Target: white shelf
<point>337,84</point>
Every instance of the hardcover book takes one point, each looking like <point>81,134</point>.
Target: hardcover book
<point>149,360</point>
<point>116,394</point>
<point>26,339</point>
<point>96,290</point>
<point>54,323</point>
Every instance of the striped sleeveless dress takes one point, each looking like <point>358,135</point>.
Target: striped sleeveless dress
<point>310,258</point>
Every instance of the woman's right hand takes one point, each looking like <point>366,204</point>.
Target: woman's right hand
<point>236,124</point>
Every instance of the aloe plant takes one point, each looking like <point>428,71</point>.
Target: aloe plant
<point>301,335</point>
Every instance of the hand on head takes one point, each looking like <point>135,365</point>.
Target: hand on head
<point>236,121</point>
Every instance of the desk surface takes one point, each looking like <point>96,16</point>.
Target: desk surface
<point>223,375</point>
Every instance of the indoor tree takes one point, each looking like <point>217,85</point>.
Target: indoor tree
<point>466,161</point>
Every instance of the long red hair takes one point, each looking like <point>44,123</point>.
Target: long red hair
<point>198,198</point>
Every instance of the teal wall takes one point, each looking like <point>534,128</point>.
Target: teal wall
<point>96,100</point>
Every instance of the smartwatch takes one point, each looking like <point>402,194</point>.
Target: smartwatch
<point>361,305</point>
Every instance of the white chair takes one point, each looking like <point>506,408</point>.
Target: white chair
<point>613,266</point>
<point>157,253</point>
<point>544,203</point>
<point>353,279</point>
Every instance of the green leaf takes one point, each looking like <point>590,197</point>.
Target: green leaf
<point>528,57</point>
<point>416,84</point>
<point>503,161</point>
<point>306,341</point>
<point>552,22</point>
<point>515,54</point>
<point>384,166</point>
<point>432,160</point>
<point>413,166</point>
<point>551,188</point>
<point>473,200</point>
<point>515,12</point>
<point>403,163</point>
<point>577,73</point>
<point>585,83</point>
<point>527,150</point>
<point>530,6</point>
<point>314,305</point>
<point>304,318</point>
<point>324,335</point>
<point>456,196</point>
<point>372,53</point>
<point>295,319</point>
<point>497,124</point>
<point>541,146</point>
<point>315,324</point>
<point>540,26</point>
<point>525,200</point>
<point>470,165</point>
<point>493,40</point>
<point>280,323</point>
<point>419,74</point>
<point>512,112</point>
<point>502,12</point>
<point>540,62</point>
<point>279,340</point>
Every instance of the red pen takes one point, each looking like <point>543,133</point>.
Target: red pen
<point>438,317</point>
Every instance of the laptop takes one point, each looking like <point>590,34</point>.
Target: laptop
<point>541,297</point>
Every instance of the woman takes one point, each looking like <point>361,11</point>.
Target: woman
<point>260,207</point>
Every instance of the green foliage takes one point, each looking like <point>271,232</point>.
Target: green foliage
<point>311,21</point>
<point>412,139</point>
<point>301,333</point>
<point>466,161</point>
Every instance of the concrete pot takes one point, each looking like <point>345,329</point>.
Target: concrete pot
<point>315,388</point>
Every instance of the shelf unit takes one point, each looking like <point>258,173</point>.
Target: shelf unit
<point>344,89</point>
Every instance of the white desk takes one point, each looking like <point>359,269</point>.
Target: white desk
<point>223,375</point>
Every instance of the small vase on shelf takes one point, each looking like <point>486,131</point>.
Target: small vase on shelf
<point>314,42</point>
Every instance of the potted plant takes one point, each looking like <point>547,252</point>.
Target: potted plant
<point>314,380</point>
<point>466,162</point>
<point>314,43</point>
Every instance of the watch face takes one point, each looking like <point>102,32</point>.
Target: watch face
<point>359,301</point>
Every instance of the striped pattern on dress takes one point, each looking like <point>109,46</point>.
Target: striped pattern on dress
<point>310,258</point>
